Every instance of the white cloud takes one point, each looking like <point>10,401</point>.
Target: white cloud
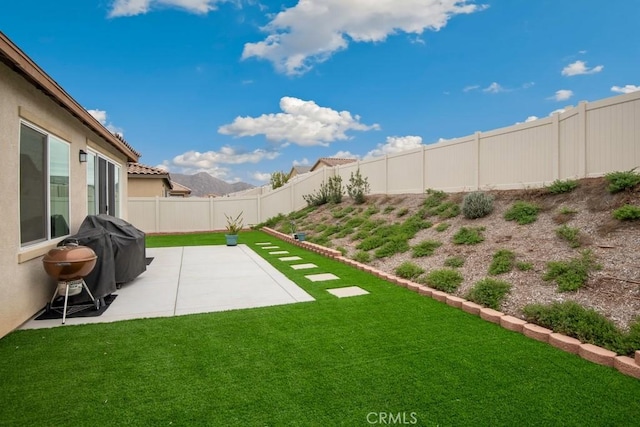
<point>562,95</point>
<point>345,155</point>
<point>559,110</point>
<point>470,88</point>
<point>302,122</point>
<point>625,89</point>
<point>527,85</point>
<point>531,119</point>
<point>138,7</point>
<point>494,88</point>
<point>210,161</point>
<point>101,116</point>
<point>311,31</point>
<point>261,176</point>
<point>580,67</point>
<point>303,162</point>
<point>395,144</point>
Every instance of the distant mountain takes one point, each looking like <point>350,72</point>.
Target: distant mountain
<point>202,184</point>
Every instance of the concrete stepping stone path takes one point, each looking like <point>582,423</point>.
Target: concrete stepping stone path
<point>278,252</point>
<point>290,258</point>
<point>323,277</point>
<point>303,266</point>
<point>271,247</point>
<point>349,291</point>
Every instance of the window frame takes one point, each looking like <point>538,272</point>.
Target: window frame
<point>117,184</point>
<point>47,187</point>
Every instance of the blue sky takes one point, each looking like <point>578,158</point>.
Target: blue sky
<point>243,88</point>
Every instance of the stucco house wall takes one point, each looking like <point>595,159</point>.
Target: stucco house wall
<point>25,288</point>
<point>148,187</point>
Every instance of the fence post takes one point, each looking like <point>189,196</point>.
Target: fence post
<point>424,169</point>
<point>555,148</point>
<point>582,139</point>
<point>157,206</point>
<point>386,174</point>
<point>476,153</point>
<point>211,217</point>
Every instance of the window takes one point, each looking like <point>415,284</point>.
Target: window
<point>103,186</point>
<point>44,186</point>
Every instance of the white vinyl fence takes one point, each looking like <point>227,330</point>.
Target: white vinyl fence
<point>589,140</point>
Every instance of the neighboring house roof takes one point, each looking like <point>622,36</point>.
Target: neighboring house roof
<point>18,61</point>
<point>299,170</point>
<point>180,189</point>
<point>330,161</point>
<point>143,171</point>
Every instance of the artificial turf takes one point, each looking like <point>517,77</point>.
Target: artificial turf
<point>351,361</point>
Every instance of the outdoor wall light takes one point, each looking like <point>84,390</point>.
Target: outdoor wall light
<point>82,156</point>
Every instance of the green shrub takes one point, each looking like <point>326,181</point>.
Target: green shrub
<point>371,210</point>
<point>443,226</point>
<point>456,261</point>
<point>355,221</point>
<point>412,225</point>
<point>434,198</point>
<point>273,221</point>
<point>362,256</point>
<point>524,266</point>
<point>573,274</point>
<point>559,187</point>
<point>320,240</point>
<point>425,248</point>
<point>522,213</point>
<point>502,262</point>
<point>408,270</point>
<point>567,211</point>
<point>489,292</point>
<point>346,231</point>
<point>392,245</point>
<point>477,205</point>
<point>358,187</point>
<point>370,242</point>
<point>587,325</point>
<point>446,279</point>
<point>447,210</point>
<point>570,234</point>
<point>627,213</point>
<point>341,213</point>
<point>278,179</point>
<point>329,192</point>
<point>342,250</point>
<point>468,236</point>
<point>402,212</point>
<point>388,210</point>
<point>620,181</point>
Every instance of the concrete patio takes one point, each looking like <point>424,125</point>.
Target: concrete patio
<point>195,279</point>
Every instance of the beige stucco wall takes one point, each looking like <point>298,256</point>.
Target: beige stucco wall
<point>147,187</point>
<point>25,288</point>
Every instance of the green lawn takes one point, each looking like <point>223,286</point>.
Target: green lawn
<point>324,363</point>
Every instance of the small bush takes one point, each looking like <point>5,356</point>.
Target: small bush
<point>408,270</point>
<point>341,213</point>
<point>358,187</point>
<point>573,274</point>
<point>346,231</point>
<point>570,234</point>
<point>502,262</point>
<point>355,221</point>
<point>443,226</point>
<point>455,262</point>
<point>371,242</point>
<point>522,213</point>
<point>585,324</point>
<point>524,266</point>
<point>329,192</point>
<point>402,212</point>
<point>489,292</point>
<point>627,213</point>
<point>468,236</point>
<point>620,181</point>
<point>477,205</point>
<point>371,210</point>
<point>559,187</point>
<point>342,250</point>
<point>434,198</point>
<point>392,246</point>
<point>425,248</point>
<point>447,210</point>
<point>388,210</point>
<point>362,256</point>
<point>564,215</point>
<point>273,221</point>
<point>446,280</point>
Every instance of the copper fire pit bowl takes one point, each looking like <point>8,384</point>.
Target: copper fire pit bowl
<point>71,262</point>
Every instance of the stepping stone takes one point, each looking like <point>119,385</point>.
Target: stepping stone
<point>303,266</point>
<point>271,247</point>
<point>263,243</point>
<point>323,277</point>
<point>350,291</point>
<point>278,253</point>
<point>290,258</point>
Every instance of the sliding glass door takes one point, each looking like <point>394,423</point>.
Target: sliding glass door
<point>103,186</point>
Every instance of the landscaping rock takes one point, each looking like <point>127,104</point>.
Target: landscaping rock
<point>565,343</point>
<point>536,332</point>
<point>597,354</point>
<point>627,366</point>
<point>512,323</point>
<point>491,315</point>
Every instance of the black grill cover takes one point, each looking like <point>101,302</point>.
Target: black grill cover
<point>120,248</point>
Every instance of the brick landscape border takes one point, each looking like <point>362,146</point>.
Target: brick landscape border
<point>626,365</point>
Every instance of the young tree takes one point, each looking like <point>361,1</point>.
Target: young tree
<point>278,179</point>
<point>358,187</point>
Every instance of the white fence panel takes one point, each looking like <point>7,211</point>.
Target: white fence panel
<point>375,170</point>
<point>451,165</point>
<point>275,202</point>
<point>142,213</point>
<point>405,172</point>
<point>190,214</point>
<point>571,142</point>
